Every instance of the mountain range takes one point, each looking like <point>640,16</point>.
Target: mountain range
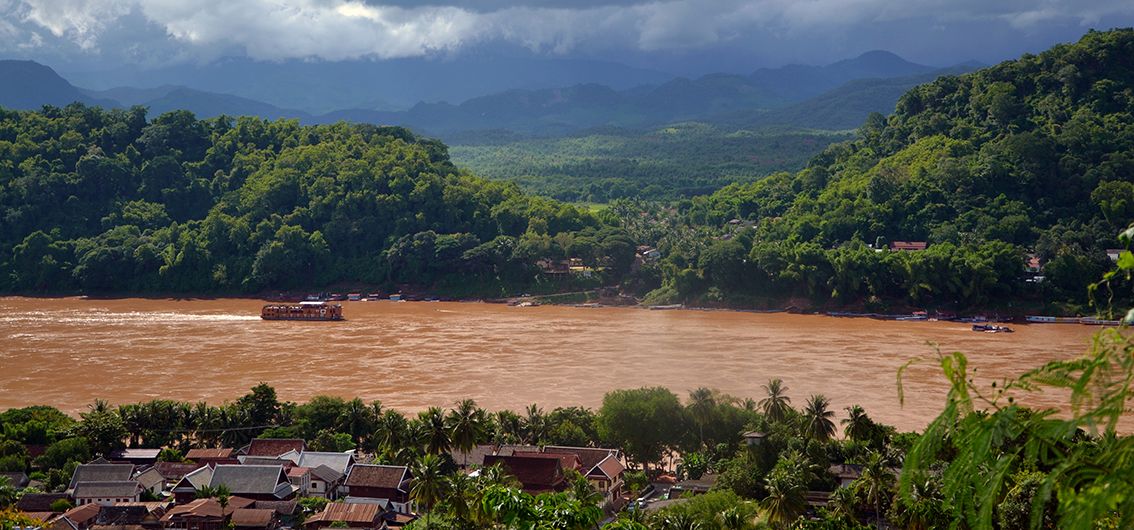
<point>835,96</point>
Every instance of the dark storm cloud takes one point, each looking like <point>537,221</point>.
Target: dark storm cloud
<point>142,31</point>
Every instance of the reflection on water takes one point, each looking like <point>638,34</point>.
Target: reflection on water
<point>68,352</point>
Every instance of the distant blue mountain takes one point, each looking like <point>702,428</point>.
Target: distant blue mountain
<point>29,85</point>
<point>835,96</point>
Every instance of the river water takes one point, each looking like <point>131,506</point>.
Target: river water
<point>67,352</point>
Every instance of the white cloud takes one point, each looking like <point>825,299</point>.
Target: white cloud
<point>344,29</point>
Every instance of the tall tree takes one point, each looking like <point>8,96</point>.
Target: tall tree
<point>428,483</point>
<point>777,404</point>
<point>817,422</point>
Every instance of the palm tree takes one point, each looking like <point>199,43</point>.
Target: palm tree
<point>876,483</point>
<point>584,492</point>
<point>857,425</point>
<point>434,434</point>
<point>428,483</point>
<point>842,504</point>
<point>534,425</point>
<point>817,415</point>
<point>734,519</point>
<point>777,404</point>
<point>467,425</point>
<point>785,502</point>
<point>462,498</point>
<point>680,521</point>
<point>701,405</point>
<point>355,420</point>
<point>509,427</point>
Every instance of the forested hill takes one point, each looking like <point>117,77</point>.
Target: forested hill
<point>1034,154</point>
<point>95,200</point>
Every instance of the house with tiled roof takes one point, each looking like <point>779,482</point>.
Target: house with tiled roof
<point>328,471</point>
<point>106,493</point>
<point>186,489</point>
<point>151,481</point>
<point>212,456</point>
<point>135,456</point>
<point>79,517</point>
<point>359,516</point>
<point>300,477</point>
<point>474,458</point>
<point>602,467</point>
<point>100,472</point>
<point>39,502</point>
<point>131,514</point>
<point>201,514</point>
<point>273,447</point>
<point>389,483</point>
<point>537,472</point>
<point>173,472</point>
<point>254,519</point>
<point>267,483</point>
<point>16,479</point>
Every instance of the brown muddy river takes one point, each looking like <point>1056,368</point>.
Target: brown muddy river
<point>68,352</point>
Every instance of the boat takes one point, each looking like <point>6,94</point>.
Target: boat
<point>354,297</point>
<point>306,310</point>
<point>666,307</point>
<point>991,328</point>
<point>1091,321</point>
<point>1040,319</point>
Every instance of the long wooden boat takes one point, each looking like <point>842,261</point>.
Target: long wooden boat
<point>307,310</point>
<point>1041,319</point>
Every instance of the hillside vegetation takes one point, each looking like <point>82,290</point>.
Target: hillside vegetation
<point>1032,154</point>
<point>667,163</point>
<point>98,200</point>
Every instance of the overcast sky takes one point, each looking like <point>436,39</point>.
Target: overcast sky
<point>669,35</point>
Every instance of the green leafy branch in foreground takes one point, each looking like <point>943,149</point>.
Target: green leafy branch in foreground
<point>985,439</point>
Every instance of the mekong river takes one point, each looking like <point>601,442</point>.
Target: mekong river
<point>67,352</point>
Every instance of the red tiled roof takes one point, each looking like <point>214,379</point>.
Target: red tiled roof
<point>536,471</point>
<point>175,470</point>
<point>274,446</point>
<point>364,514</point>
<point>566,460</point>
<point>200,508</point>
<point>252,517</point>
<point>908,245</point>
<point>589,457</point>
<point>611,467</point>
<point>210,453</point>
<point>372,476</point>
<point>83,514</point>
<point>297,471</point>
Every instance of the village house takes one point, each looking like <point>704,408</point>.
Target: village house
<point>151,480</point>
<point>137,457</point>
<point>16,479</point>
<point>300,477</point>
<point>379,482</point>
<point>602,467</point>
<point>106,493</point>
<point>201,514</point>
<point>261,483</point>
<point>328,470</point>
<point>273,447</point>
<point>40,503</point>
<point>77,518</point>
<point>254,519</point>
<point>186,488</point>
<point>359,516</point>
<point>130,515</point>
<point>212,456</point>
<point>99,472</point>
<point>173,472</point>
<point>908,246</point>
<point>537,472</point>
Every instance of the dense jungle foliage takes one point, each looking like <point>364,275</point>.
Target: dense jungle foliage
<point>673,162</point>
<point>1034,154</point>
<point>99,200</point>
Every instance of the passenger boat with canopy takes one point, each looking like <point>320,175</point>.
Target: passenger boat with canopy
<point>308,310</point>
